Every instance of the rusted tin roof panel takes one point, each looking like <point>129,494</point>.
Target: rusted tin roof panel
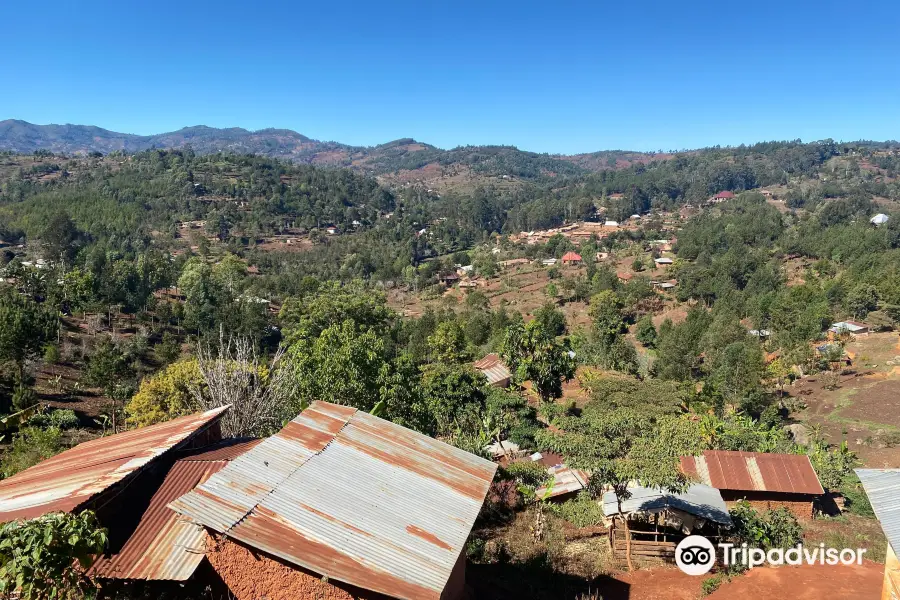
<point>165,545</point>
<point>378,506</point>
<point>68,480</point>
<point>754,472</point>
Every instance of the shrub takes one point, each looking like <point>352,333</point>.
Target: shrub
<point>23,397</point>
<point>773,529</point>
<point>531,474</point>
<point>645,332</point>
<point>856,500</point>
<point>51,354</point>
<point>711,584</point>
<point>165,395</point>
<point>64,418</point>
<point>168,349</point>
<point>582,511</point>
<point>45,558</point>
<point>29,447</point>
<point>832,466</point>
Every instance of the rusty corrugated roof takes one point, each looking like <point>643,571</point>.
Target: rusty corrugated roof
<point>493,368</point>
<point>70,479</point>
<point>350,497</point>
<point>754,471</point>
<point>165,545</point>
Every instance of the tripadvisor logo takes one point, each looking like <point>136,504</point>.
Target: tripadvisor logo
<point>696,555</point>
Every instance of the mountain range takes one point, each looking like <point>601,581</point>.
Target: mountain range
<point>404,159</point>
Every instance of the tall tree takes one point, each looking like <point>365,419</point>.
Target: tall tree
<point>535,354</point>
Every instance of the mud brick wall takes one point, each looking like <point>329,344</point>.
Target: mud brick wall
<point>251,575</point>
<point>799,504</point>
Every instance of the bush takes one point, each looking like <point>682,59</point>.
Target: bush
<point>711,584</point>
<point>168,349</point>
<point>64,419</point>
<point>582,511</point>
<point>46,557</point>
<point>164,395</point>
<point>29,447</point>
<point>51,354</point>
<point>23,397</point>
<point>856,501</point>
<point>645,332</point>
<point>531,474</point>
<point>777,528</point>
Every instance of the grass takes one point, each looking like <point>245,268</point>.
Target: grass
<point>848,531</point>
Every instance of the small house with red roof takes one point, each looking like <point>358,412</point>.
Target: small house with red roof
<point>722,197</point>
<point>571,258</point>
<point>765,480</point>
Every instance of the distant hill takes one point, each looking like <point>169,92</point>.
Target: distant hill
<point>399,162</point>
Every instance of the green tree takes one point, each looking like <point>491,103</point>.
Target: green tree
<point>551,319</point>
<point>619,448</point>
<point>334,304</point>
<point>645,332</point>
<point>24,329</point>
<point>533,353</point>
<point>448,343</point>
<point>449,390</point>
<point>341,365</point>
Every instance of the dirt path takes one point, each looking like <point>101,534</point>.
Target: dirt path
<point>806,582</point>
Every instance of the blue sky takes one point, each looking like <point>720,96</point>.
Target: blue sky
<point>545,76</point>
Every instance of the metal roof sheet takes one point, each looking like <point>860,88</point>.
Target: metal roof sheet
<point>72,478</point>
<point>565,481</point>
<point>699,500</point>
<point>351,497</point>
<point>493,368</point>
<point>883,488</point>
<point>754,471</point>
<point>165,545</point>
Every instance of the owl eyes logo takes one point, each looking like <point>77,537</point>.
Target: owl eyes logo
<point>695,555</point>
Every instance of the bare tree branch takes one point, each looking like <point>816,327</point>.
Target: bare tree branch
<point>233,374</point>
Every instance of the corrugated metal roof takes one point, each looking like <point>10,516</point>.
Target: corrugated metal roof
<point>350,497</point>
<point>754,471</point>
<point>70,479</point>
<point>493,368</point>
<point>699,500</point>
<point>883,488</point>
<point>165,545</point>
<point>565,481</point>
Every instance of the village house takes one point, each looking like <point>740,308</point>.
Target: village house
<point>611,223</point>
<point>448,278</point>
<point>883,489</point>
<point>624,277</point>
<point>462,271</point>
<point>659,519</point>
<point>548,262</point>
<point>116,476</point>
<point>765,480</point>
<point>879,219</point>
<point>847,327</point>
<point>565,483</point>
<point>513,262</point>
<point>721,197</point>
<point>496,371</point>
<point>571,258</point>
<point>338,505</point>
<point>663,261</point>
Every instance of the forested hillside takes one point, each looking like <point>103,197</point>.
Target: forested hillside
<point>649,310</point>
